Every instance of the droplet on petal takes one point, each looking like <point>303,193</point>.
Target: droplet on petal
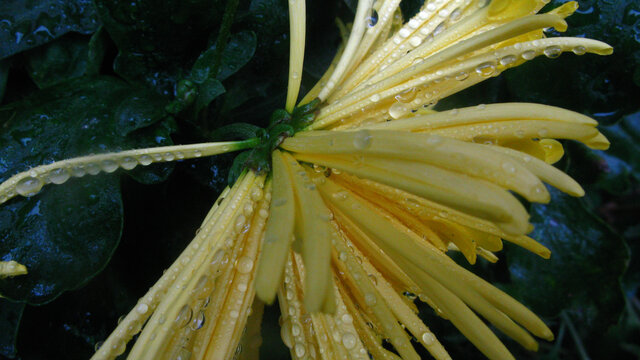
<point>29,186</point>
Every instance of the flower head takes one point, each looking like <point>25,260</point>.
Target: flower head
<point>340,211</point>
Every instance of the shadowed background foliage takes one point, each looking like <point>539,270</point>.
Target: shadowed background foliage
<point>81,76</point>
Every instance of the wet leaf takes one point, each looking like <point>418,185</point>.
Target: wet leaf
<point>67,233</point>
<point>25,24</point>
<point>236,54</point>
<point>58,61</point>
<point>158,40</point>
<point>583,275</point>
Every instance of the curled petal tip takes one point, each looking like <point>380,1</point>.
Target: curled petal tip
<point>598,142</point>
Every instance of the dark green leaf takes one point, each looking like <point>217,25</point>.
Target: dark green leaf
<point>208,90</point>
<point>97,48</point>
<point>158,40</point>
<point>66,234</point>
<point>25,24</point>
<point>236,131</point>
<point>137,110</point>
<point>584,272</point>
<point>58,61</point>
<point>10,315</point>
<point>624,154</point>
<point>237,53</point>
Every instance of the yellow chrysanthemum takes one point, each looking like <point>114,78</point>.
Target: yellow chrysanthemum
<point>357,209</point>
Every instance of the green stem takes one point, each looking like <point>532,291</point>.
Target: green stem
<point>575,336</point>
<point>248,144</point>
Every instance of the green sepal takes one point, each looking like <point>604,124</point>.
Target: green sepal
<point>305,109</point>
<point>279,116</point>
<point>279,131</point>
<point>238,166</point>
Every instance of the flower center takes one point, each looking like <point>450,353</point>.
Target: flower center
<point>282,125</point>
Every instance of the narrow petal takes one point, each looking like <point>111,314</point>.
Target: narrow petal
<point>11,268</point>
<point>297,24</point>
<point>29,183</point>
<point>278,233</point>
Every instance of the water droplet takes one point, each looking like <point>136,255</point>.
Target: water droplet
<point>509,168</point>
<point>98,345</point>
<point>362,139</point>
<point>256,194</point>
<point>245,264</point>
<point>198,321</point>
<point>179,155</point>
<point>295,75</point>
<point>92,169</point>
<point>128,163</point>
<point>118,347</point>
<point>486,69</point>
<point>29,186</point>
<point>397,110</point>
<point>285,333</point>
<point>415,41</point>
<point>247,209</point>
<point>428,338</point>
<point>579,50</point>
<point>438,30</point>
<point>184,316</point>
<point>145,160</point>
<point>78,171</point>
<point>461,76</point>
<point>182,354</point>
<point>58,176</point>
<point>240,221</point>
<point>349,340</point>
<point>300,349</point>
<point>455,14</point>
<point>528,55</point>
<point>109,166</point>
<point>370,299</point>
<point>485,139</point>
<point>169,156</point>
<point>508,60</point>
<point>295,330</point>
<point>142,308</point>
<point>407,95</point>
<point>373,19</point>
<point>340,195</point>
<point>375,98</point>
<point>553,51</point>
